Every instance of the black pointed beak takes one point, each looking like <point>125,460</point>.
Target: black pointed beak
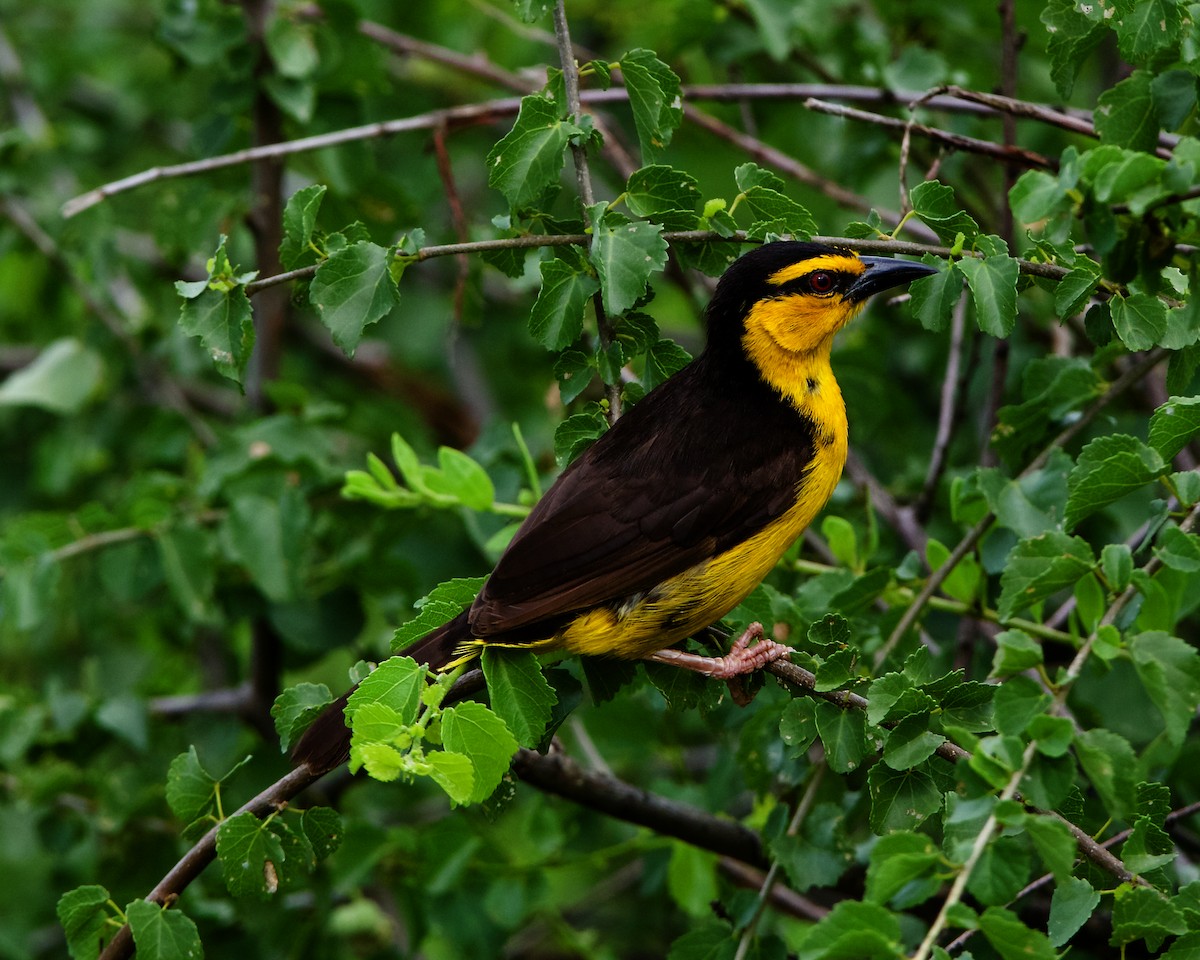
<point>883,273</point>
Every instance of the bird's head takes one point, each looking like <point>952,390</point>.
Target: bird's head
<point>798,294</point>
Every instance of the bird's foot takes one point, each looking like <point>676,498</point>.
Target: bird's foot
<point>741,659</point>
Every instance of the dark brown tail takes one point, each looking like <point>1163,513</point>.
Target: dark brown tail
<point>325,745</point>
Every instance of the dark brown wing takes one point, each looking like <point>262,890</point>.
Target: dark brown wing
<point>698,466</point>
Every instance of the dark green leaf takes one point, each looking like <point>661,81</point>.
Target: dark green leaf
<point>658,190</point>
<point>353,289</point>
<point>1012,939</point>
<point>1109,761</point>
<point>933,297</point>
<point>1073,903</point>
<point>897,860</point>
<point>250,854</point>
<point>935,203</point>
<point>520,693</point>
<point>1142,913</point>
<point>162,934</point>
<point>1169,669</point>
<point>1107,469</point>
<point>625,254</point>
<point>474,731</point>
<point>83,913</point>
<point>445,602</point>
<point>1039,567</point>
<point>296,708</point>
<point>299,222</point>
<point>1126,116</point>
<point>655,97</point>
<point>530,157</point>
<point>993,283</point>
<point>1140,320</point>
<point>901,799</point>
<point>190,788</point>
<point>556,319</point>
<point>1016,652</point>
<point>843,733</point>
<point>1174,424</point>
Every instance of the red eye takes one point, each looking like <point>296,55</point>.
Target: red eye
<point>821,282</point>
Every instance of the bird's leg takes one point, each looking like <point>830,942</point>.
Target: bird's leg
<point>741,659</point>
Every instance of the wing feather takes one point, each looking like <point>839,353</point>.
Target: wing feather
<point>664,489</point>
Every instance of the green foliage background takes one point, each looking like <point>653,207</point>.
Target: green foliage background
<point>221,492</point>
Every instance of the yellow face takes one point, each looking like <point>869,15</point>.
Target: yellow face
<point>810,306</point>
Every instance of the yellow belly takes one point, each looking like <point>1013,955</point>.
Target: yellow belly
<point>700,596</point>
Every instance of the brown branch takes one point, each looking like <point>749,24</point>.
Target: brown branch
<point>558,774</point>
<point>954,384</point>
<point>1014,155</point>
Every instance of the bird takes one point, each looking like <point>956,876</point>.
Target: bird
<point>676,513</point>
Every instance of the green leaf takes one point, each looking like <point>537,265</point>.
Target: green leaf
<point>843,734</point>
<point>396,683</point>
<point>901,799</point>
<point>442,604</point>
<point>454,773</point>
<point>1169,669</point>
<point>624,254</point>
<point>934,203</point>
<point>910,742</point>
<point>1016,652</point>
<point>1125,114</point>
<point>1109,761</point>
<point>1036,195</point>
<point>706,939</point>
<point>530,156</point>
<point>576,434</point>
<point>1016,703</point>
<point>1012,939</point>
<point>855,930</point>
<point>1142,913</point>
<point>664,359</point>
<point>1107,469</point>
<point>1148,30</point>
<point>1178,550</point>
<point>299,222</point>
<point>656,100</point>
<point>1173,425</point>
<point>556,320</point>
<point>353,289</point>
<point>932,298</point>
<point>1073,903</point>
<point>251,855</point>
<point>1076,288</point>
<point>1039,567</point>
<point>162,934</point>
<point>83,913</point>
<point>1116,562</point>
<point>897,860</point>
<point>190,788</point>
<point>474,731</point>
<point>322,827</point>
<point>993,283</point>
<point>63,377</point>
<point>268,536</point>
<point>1072,37</point>
<point>798,726</point>
<point>222,320</point>
<point>660,191</point>
<point>1140,320</point>
<point>1054,843</point>
<point>1001,872</point>
<point>520,693</point>
<point>464,479</point>
<point>295,708</point>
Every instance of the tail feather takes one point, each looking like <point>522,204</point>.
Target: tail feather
<point>325,745</point>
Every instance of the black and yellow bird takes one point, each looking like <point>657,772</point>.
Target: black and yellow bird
<point>671,518</point>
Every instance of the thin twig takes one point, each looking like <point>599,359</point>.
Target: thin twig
<point>1131,376</point>
<point>583,177</point>
<point>953,386</point>
<point>1016,155</point>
